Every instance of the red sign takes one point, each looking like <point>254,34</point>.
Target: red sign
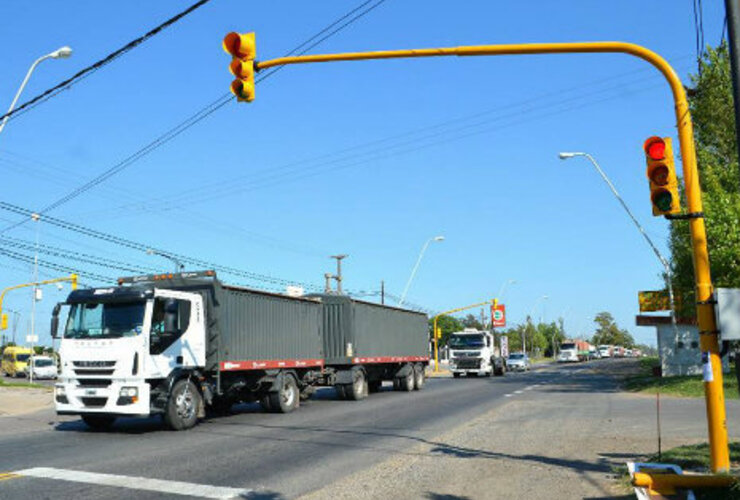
<point>499,315</point>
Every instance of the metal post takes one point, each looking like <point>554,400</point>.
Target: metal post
<point>338,276</point>
<point>382,292</point>
<point>732,11</point>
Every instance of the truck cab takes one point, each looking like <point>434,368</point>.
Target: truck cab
<point>472,352</point>
<point>121,347</point>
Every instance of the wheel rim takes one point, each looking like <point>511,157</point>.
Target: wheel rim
<point>288,394</point>
<point>185,405</point>
<point>358,386</point>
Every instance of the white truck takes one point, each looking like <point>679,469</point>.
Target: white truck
<point>473,352</point>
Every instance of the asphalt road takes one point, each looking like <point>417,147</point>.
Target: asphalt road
<point>259,455</point>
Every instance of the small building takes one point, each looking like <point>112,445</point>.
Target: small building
<point>678,349</point>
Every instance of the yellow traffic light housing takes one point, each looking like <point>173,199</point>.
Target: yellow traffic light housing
<point>661,172</point>
<point>242,48</point>
<point>3,321</point>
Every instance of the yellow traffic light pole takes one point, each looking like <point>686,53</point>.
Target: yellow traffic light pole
<point>436,334</point>
<point>705,306</point>
<point>72,278</point>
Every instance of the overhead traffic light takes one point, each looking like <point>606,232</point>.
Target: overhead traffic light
<point>242,48</point>
<point>661,172</point>
<point>3,321</point>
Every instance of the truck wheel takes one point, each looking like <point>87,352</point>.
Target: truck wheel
<point>182,406</point>
<point>265,403</point>
<point>287,398</point>
<point>406,383</point>
<point>418,377</point>
<point>98,422</point>
<point>456,374</point>
<point>358,389</point>
<point>340,391</point>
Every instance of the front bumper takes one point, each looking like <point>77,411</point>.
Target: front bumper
<point>80,397</point>
<point>516,368</point>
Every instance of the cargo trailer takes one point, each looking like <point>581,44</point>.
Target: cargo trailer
<point>180,345</point>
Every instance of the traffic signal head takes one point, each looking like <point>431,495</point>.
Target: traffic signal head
<point>242,48</point>
<point>661,172</point>
<point>3,321</point>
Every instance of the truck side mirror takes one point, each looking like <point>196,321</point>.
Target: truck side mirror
<point>55,321</point>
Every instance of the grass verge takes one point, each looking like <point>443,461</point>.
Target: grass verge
<point>683,386</point>
<point>694,458</point>
<point>26,385</point>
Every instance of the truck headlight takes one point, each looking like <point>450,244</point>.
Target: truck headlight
<point>61,394</point>
<point>60,390</point>
<point>128,392</point>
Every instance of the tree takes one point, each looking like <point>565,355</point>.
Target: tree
<point>607,332</point>
<point>470,321</point>
<point>447,324</point>
<point>711,105</point>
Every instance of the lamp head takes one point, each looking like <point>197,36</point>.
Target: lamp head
<point>565,155</point>
<point>439,238</point>
<point>62,53</point>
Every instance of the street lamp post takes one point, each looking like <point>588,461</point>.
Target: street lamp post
<point>178,265</point>
<point>416,266</point>
<point>663,260</point>
<point>60,53</point>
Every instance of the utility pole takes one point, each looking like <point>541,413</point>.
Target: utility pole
<point>338,276</point>
<point>382,292</point>
<point>732,11</point>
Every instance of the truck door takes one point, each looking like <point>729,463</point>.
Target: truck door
<point>177,333</point>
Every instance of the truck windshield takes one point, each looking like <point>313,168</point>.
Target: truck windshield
<point>564,347</point>
<point>464,341</point>
<point>108,321</point>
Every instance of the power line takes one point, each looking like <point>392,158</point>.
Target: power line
<point>186,124</point>
<point>83,73</point>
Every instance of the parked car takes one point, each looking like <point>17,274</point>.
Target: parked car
<point>42,366</point>
<point>518,361</point>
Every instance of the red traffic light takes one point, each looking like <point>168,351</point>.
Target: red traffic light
<point>240,45</point>
<point>655,148</point>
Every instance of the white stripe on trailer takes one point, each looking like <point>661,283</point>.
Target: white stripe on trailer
<point>137,483</point>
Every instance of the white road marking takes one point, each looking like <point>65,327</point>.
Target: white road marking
<point>518,392</point>
<point>508,395</point>
<point>137,483</point>
<point>529,387</point>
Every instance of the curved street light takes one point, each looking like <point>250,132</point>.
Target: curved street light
<point>60,53</point>
<point>416,266</point>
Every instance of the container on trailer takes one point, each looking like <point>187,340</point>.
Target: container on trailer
<point>355,332</point>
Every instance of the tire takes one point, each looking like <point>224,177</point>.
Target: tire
<point>419,377</point>
<point>359,388</point>
<point>456,375</point>
<point>406,383</point>
<point>340,391</point>
<point>265,403</point>
<point>183,406</point>
<point>374,386</point>
<point>98,422</point>
<point>287,398</point>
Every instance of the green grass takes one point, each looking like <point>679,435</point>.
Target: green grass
<point>683,386</point>
<point>693,458</point>
<point>26,385</point>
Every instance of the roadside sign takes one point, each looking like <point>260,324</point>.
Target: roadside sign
<point>32,339</point>
<point>504,346</point>
<point>655,300</point>
<point>499,315</point>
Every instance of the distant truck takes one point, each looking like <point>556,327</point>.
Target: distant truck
<point>605,351</point>
<point>473,352</point>
<point>180,345</point>
<point>618,351</point>
<point>573,351</point>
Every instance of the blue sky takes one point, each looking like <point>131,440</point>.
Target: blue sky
<point>366,158</point>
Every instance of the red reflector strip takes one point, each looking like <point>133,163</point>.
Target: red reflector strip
<point>389,359</point>
<point>267,364</point>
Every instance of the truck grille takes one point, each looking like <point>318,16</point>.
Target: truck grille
<point>466,363</point>
<point>94,382</point>
<point>94,402</point>
<point>94,368</point>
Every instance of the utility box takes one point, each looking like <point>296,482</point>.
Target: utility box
<point>728,313</point>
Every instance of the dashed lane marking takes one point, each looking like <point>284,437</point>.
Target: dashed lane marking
<point>518,392</point>
<point>508,395</point>
<point>136,483</point>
